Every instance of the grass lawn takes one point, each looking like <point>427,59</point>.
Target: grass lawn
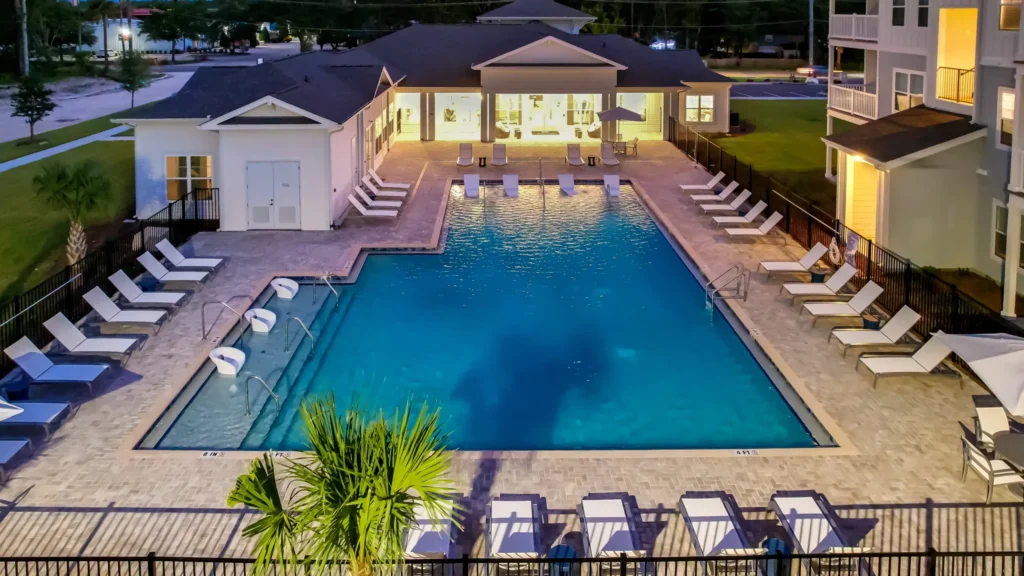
<point>11,150</point>
<point>32,234</point>
<point>785,142</point>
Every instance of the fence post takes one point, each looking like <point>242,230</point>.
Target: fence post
<point>933,556</point>
<point>170,222</point>
<point>622,564</point>
<point>907,274</point>
<point>810,222</point>
<point>707,155</point>
<point>720,167</point>
<point>788,206</point>
<point>870,252</point>
<point>151,564</point>
<point>465,565</point>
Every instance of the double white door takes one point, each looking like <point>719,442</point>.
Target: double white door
<point>273,194</point>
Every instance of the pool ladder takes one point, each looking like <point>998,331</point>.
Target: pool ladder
<point>736,283</point>
<point>223,303</point>
<point>325,278</point>
<point>248,409</point>
<point>288,334</point>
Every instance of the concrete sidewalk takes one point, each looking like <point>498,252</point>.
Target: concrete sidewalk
<point>63,148</point>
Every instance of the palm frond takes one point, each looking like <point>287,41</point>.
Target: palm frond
<point>275,531</point>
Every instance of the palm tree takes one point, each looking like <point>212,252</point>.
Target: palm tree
<point>353,494</point>
<point>100,9</point>
<point>75,190</point>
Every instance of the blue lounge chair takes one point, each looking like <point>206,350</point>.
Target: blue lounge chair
<point>40,370</point>
<point>18,419</point>
<point>10,451</point>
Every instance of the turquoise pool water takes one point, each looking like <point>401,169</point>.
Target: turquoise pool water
<point>549,322</point>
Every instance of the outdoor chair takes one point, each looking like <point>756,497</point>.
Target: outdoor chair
<point>812,528</point>
<point>510,183</point>
<point>713,522</point>
<point>608,154</point>
<point>76,343</point>
<point>512,532</point>
<point>995,472</point>
<point>890,334</point>
<point>370,202</point>
<point>180,261</point>
<point>371,213</point>
<point>733,206</point>
<point>134,295</point>
<point>856,306</point>
<point>747,218</point>
<point>41,370</point>
<point>498,155</point>
<point>378,193</point>
<point>611,185</point>
<point>16,419</point>
<point>989,421</point>
<point>709,186</point>
<point>720,197</point>
<point>11,451</point>
<point>802,265</point>
<point>573,155</point>
<point>921,363</point>
<point>609,531</point>
<point>465,155</point>
<point>380,181</point>
<point>829,288</point>
<point>761,231</point>
<point>471,183</point>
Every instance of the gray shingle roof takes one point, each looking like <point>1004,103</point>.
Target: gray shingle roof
<point>534,9</point>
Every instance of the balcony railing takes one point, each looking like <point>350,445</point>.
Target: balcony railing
<point>955,85</point>
<point>854,100</point>
<point>854,26</point>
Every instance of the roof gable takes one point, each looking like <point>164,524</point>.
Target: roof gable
<point>534,10</point>
<point>549,51</point>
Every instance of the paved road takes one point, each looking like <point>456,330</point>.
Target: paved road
<point>780,91</point>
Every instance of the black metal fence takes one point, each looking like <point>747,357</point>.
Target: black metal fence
<point>941,305</point>
<point>929,563</point>
<point>24,315</point>
<point>955,84</point>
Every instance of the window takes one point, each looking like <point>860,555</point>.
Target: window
<point>899,12</point>
<point>922,13</point>
<point>999,244</point>
<point>1009,14</point>
<point>187,173</point>
<point>700,108</point>
<point>908,90</point>
<point>1006,104</point>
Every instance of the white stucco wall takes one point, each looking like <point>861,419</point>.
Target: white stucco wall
<point>720,90</point>
<point>554,80</point>
<point>310,148</point>
<point>154,140</point>
<point>342,168</point>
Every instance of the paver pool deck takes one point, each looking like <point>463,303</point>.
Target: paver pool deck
<point>895,479</point>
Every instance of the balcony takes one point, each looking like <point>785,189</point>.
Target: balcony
<point>854,27</point>
<point>853,100</point>
<point>955,85</point>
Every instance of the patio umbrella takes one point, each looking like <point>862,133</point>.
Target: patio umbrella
<point>998,359</point>
<point>618,114</point>
<point>8,410</point>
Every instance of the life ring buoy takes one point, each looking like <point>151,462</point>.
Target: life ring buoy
<point>834,253</point>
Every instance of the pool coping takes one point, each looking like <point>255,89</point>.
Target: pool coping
<point>843,444</point>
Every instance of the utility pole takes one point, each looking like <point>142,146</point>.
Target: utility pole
<point>131,28</point>
<point>810,33</point>
<point>78,12</point>
<point>22,7</point>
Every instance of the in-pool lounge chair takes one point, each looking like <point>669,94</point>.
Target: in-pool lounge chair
<point>111,314</point>
<point>380,182</point>
<point>25,417</point>
<point>611,184</point>
<point>895,329</point>
<point>802,265</point>
<point>747,218</point>
<point>567,184</point>
<point>722,207</point>
<point>378,193</point>
<point>180,261</point>
<point>573,155</point>
<point>720,197</point>
<point>921,363</point>
<point>11,452</point>
<point>830,288</point>
<point>471,183</point>
<point>510,182</point>
<point>713,522</point>
<point>498,155</point>
<point>609,531</point>
<point>396,204</point>
<point>134,295</point>
<point>608,154</point>
<point>513,531</point>
<point>41,370</point>
<point>429,539</point>
<point>162,274</point>
<point>709,186</point>
<point>812,529</point>
<point>840,310</point>
<point>76,343</point>
<point>371,213</point>
<point>465,155</point>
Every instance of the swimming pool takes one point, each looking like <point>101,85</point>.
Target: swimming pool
<point>547,323</point>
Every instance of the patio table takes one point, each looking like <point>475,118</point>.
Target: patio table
<point>1009,447</point>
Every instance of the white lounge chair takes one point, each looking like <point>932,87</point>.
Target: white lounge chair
<point>380,182</point>
<point>72,339</point>
<point>378,193</point>
<point>839,310</point>
<point>608,529</point>
<point>510,183</point>
<point>709,186</point>
<point>747,218</point>
<point>498,156</point>
<point>567,184</point>
<point>46,416</point>
<point>573,156</point>
<point>373,213</point>
<point>376,203</point>
<point>11,451</point>
<point>761,230</point>
<point>812,529</point>
<point>923,362</point>
<point>41,370</point>
<point>429,538</point>
<point>830,288</point>
<point>471,183</point>
<point>730,207</point>
<point>465,155</point>
<point>802,265</point>
<point>160,272</point>
<point>720,197</point>
<point>989,421</point>
<point>895,329</point>
<point>110,312</point>
<point>714,526</point>
<point>513,529</point>
<point>180,261</point>
<point>135,296</point>
<point>608,154</point>
<point>611,184</point>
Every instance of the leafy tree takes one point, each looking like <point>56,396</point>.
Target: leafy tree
<point>354,493</point>
<point>56,24</point>
<point>173,21</point>
<point>134,72</point>
<point>76,191</point>
<point>32,102</point>
<point>101,9</point>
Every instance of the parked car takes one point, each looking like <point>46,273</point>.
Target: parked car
<point>111,54</point>
<point>819,71</point>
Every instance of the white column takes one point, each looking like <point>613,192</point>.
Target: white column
<point>828,149</point>
<point>1011,266</point>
